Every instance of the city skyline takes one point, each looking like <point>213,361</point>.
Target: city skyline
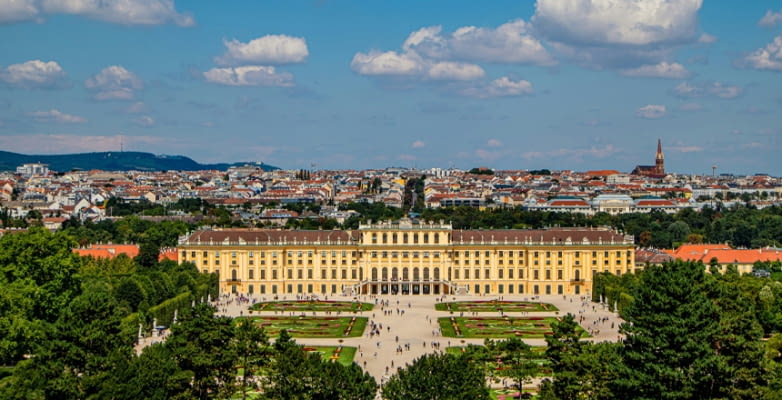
<point>570,84</point>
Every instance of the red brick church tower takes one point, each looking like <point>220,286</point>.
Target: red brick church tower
<point>659,159</point>
<point>653,171</point>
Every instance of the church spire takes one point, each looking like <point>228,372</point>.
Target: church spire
<point>659,160</point>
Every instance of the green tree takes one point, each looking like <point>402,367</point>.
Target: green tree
<point>435,377</point>
<point>77,359</point>
<point>518,362</point>
<point>201,345</point>
<point>252,350</point>
<point>153,375</point>
<point>148,254</point>
<point>670,325</point>
<point>37,281</point>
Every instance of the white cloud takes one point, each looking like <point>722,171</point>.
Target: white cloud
<point>651,111</point>
<point>144,121</point>
<point>500,87</point>
<point>411,65</point>
<point>251,75</point>
<point>510,43</point>
<point>428,54</point>
<point>418,144</point>
<point>577,154</point>
<point>114,83</point>
<point>771,18</point>
<point>56,116</point>
<point>661,70</point>
<point>769,57</point>
<point>18,10</point>
<point>34,74</point>
<point>65,143</point>
<point>125,12</point>
<point>619,22</point>
<point>136,108</point>
<point>622,34</point>
<point>387,63</point>
<point>706,38</point>
<point>269,49</point>
<point>494,143</point>
<point>703,89</point>
<point>685,149</point>
<point>449,70</point>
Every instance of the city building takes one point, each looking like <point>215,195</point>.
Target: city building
<point>408,257</point>
<point>653,171</point>
<point>32,169</point>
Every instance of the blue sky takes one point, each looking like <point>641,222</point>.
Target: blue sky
<point>560,84</point>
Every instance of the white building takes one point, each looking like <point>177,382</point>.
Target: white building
<point>28,170</point>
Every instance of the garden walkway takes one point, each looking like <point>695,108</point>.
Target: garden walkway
<point>418,328</point>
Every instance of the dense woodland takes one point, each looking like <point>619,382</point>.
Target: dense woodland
<point>689,334</point>
<point>68,324</point>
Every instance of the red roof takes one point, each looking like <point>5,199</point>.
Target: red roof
<point>108,250</point>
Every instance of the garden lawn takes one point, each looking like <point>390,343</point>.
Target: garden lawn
<point>314,305</point>
<point>344,356</point>
<point>495,306</point>
<point>312,327</point>
<point>498,327</point>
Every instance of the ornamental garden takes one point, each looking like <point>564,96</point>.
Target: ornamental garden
<point>495,306</point>
<point>312,327</point>
<point>311,306</point>
<point>498,327</point>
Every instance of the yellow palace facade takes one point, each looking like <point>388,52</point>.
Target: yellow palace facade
<point>408,257</point>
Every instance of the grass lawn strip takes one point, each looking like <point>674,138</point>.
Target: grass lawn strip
<point>311,305</point>
<point>495,306</point>
<point>312,327</point>
<point>499,327</point>
<point>341,354</point>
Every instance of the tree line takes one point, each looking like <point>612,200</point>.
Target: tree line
<point>688,334</point>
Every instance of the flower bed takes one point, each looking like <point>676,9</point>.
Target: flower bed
<point>311,305</point>
<point>495,306</point>
<point>312,327</point>
<point>489,327</point>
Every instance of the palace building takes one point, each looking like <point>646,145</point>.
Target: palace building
<point>408,257</point>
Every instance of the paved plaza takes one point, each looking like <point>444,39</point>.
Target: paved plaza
<point>410,323</point>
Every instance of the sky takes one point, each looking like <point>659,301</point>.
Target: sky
<point>558,84</point>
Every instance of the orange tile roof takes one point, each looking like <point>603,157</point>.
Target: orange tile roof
<point>168,254</point>
<point>602,172</point>
<point>724,254</point>
<point>696,251</point>
<point>108,250</point>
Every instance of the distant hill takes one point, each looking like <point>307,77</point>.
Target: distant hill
<point>114,161</point>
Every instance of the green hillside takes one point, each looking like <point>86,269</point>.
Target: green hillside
<point>114,161</point>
